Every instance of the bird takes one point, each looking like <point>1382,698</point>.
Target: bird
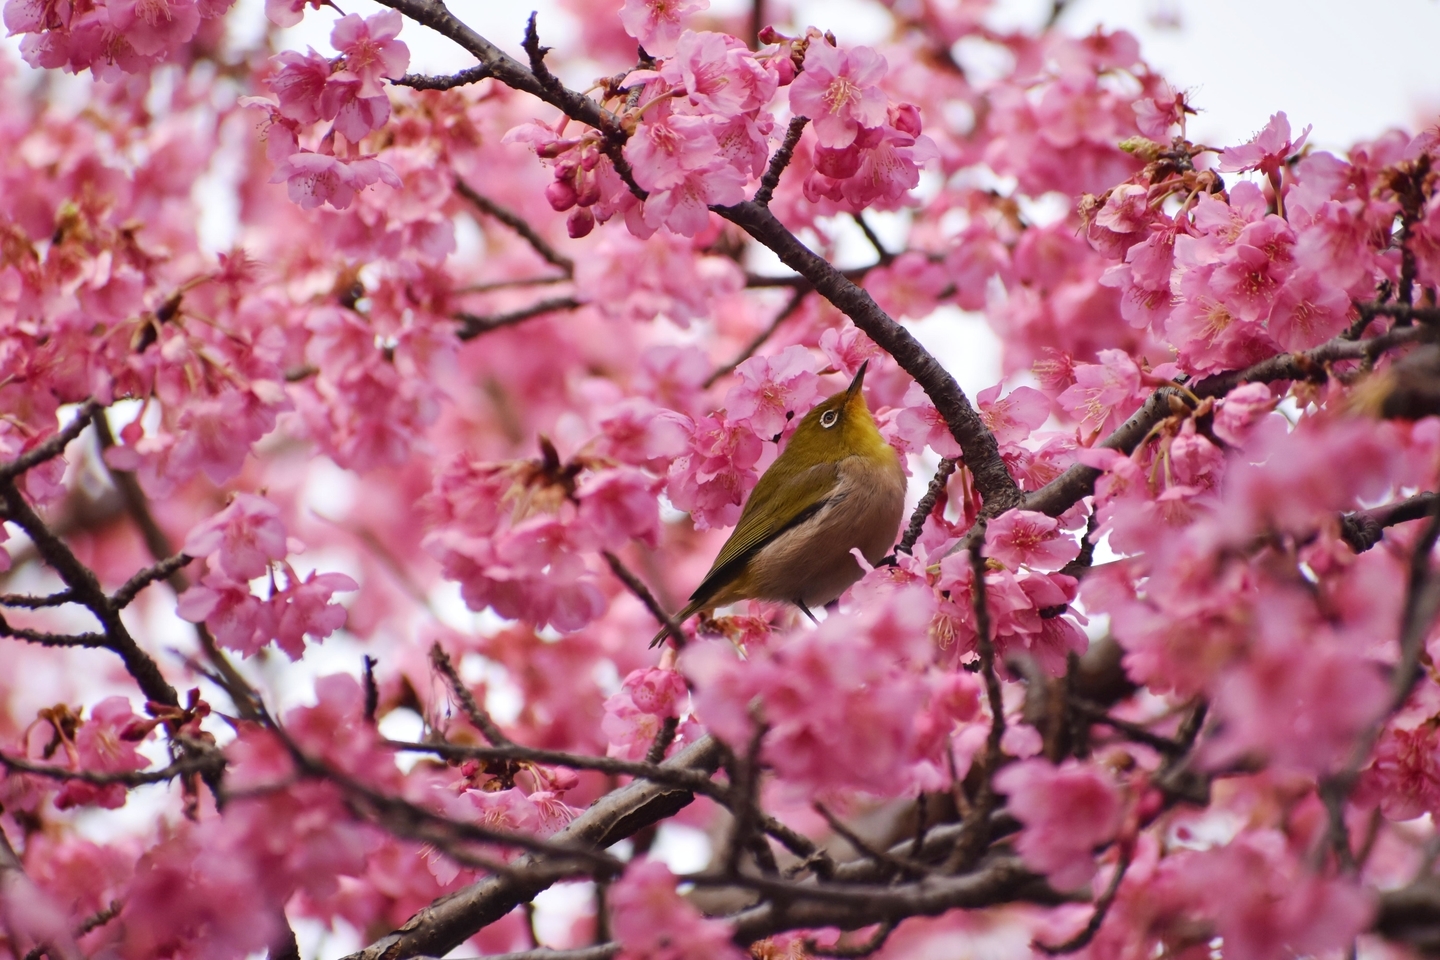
<point>837,486</point>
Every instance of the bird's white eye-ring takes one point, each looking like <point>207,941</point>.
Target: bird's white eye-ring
<point>828,418</point>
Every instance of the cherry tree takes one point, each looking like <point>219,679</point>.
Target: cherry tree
<point>331,556</point>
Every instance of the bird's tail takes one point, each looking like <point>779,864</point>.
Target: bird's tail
<point>689,610</point>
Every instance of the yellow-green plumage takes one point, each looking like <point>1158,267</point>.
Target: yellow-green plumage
<point>837,486</point>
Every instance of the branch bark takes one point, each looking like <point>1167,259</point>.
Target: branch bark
<point>449,921</point>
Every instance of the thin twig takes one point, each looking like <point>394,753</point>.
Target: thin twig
<point>210,761</point>
<point>925,507</point>
<point>53,447</point>
<point>637,586</point>
<point>780,160</point>
<point>158,543</point>
<point>80,579</point>
<point>27,602</point>
<point>517,223</point>
<point>663,739</point>
<point>1400,311</point>
<point>744,805</point>
<point>615,766</point>
<point>1082,939</point>
<point>977,822</point>
<point>900,864</point>
<point>473,325</point>
<point>787,311</point>
<point>420,81</point>
<point>886,257</point>
<point>1134,731</point>
<point>159,571</point>
<point>477,714</point>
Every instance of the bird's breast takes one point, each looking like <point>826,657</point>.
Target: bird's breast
<point>811,562</point>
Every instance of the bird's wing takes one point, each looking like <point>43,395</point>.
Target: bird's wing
<point>804,491</point>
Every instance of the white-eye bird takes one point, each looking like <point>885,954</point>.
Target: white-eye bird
<point>837,486</point>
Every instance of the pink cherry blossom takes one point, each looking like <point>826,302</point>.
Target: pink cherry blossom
<point>1067,811</point>
<point>838,91</point>
<point>1267,150</point>
<point>774,390</point>
<point>656,23</point>
<point>370,50</point>
<point>653,922</point>
<point>244,537</point>
<point>1025,537</point>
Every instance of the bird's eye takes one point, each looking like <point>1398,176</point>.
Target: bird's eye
<point>828,418</point>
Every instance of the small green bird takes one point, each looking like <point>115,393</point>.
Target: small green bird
<point>836,486</point>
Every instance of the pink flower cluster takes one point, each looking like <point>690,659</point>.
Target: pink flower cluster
<point>633,716</point>
<point>864,734</point>
<point>702,122</point>
<point>868,152</point>
<point>652,921</point>
<point>515,535</point>
<point>109,38</point>
<point>243,542</point>
<point>1236,585</point>
<point>349,93</point>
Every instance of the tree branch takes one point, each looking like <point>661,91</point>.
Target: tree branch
<point>473,325</point>
<point>786,312</point>
<point>982,453</point>
<point>452,919</point>
<point>1365,528</point>
<point>476,713</point>
<point>780,160</point>
<point>517,223</point>
<point>925,507</point>
<point>637,586</point>
<point>83,583</point>
<point>420,81</point>
<point>52,447</point>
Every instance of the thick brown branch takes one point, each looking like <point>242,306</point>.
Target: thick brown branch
<point>449,921</point>
<point>98,640</point>
<point>1365,528</point>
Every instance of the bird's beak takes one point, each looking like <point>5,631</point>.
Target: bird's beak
<point>852,391</point>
